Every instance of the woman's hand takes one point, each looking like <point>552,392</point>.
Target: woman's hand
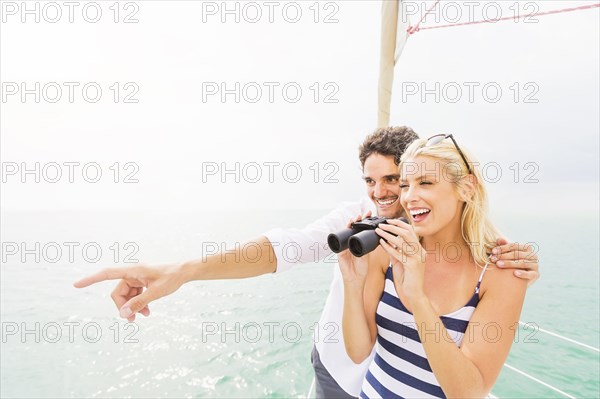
<point>129,294</point>
<point>407,256</point>
<point>353,269</point>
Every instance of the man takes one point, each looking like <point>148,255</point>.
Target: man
<point>336,375</point>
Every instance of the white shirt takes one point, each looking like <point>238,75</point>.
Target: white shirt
<point>310,243</point>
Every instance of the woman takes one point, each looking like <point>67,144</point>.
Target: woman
<point>441,329</point>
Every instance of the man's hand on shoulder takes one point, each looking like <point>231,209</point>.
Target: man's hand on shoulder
<point>520,257</point>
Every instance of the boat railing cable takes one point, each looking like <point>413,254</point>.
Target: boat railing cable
<point>572,341</point>
<point>310,390</point>
<point>538,381</point>
<point>530,325</point>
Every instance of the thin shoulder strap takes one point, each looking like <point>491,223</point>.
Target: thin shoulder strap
<point>481,278</point>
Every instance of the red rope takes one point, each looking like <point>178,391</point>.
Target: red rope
<point>416,28</point>
<point>413,29</point>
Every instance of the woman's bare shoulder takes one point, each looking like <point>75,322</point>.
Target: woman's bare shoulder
<point>497,282</point>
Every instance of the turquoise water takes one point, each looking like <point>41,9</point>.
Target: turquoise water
<point>182,350</point>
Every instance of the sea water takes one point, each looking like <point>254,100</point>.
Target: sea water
<point>241,338</point>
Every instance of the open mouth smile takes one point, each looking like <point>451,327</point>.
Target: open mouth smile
<point>386,202</point>
<point>419,214</point>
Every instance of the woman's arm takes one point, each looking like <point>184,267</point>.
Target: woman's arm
<point>472,369</point>
<point>357,337</point>
<point>361,297</point>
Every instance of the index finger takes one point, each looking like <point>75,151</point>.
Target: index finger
<point>513,247</point>
<point>398,223</point>
<point>109,273</point>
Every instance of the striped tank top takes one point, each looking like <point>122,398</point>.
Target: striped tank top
<point>400,368</point>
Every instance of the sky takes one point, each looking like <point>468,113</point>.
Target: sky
<point>186,105</point>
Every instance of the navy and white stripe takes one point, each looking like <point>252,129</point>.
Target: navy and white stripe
<point>400,368</point>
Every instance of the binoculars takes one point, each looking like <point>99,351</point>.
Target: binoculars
<point>360,238</point>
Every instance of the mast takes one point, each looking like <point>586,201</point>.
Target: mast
<point>394,26</point>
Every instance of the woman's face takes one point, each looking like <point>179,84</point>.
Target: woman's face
<point>429,196</point>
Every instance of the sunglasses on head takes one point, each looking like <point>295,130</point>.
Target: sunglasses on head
<point>433,140</point>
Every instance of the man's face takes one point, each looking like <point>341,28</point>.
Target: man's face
<point>381,175</point>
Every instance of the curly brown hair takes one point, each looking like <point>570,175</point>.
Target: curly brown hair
<point>389,141</point>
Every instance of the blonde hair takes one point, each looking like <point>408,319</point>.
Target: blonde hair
<point>476,228</point>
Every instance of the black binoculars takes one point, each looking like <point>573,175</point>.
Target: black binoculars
<point>360,238</point>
